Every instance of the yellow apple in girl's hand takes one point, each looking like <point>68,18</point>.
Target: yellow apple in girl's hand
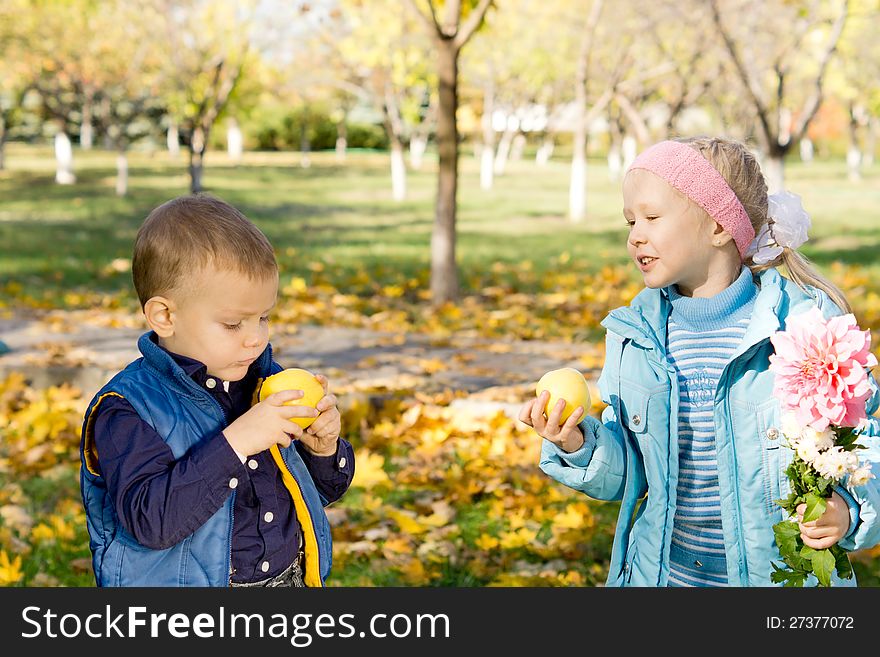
<point>568,384</point>
<point>295,379</point>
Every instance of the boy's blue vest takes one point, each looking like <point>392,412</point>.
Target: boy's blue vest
<point>184,414</point>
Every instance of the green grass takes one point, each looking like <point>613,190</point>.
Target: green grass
<point>57,239</point>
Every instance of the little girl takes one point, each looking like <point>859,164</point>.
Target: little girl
<point>690,441</point>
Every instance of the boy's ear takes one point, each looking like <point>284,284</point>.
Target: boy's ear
<point>158,311</point>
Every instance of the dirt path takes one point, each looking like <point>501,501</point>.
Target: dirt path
<point>85,349</point>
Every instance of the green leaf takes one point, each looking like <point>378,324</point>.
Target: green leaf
<point>841,562</point>
<point>786,533</point>
<point>823,566</point>
<point>788,577</point>
<point>815,507</point>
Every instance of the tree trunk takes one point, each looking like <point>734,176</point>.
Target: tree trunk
<point>398,169</point>
<point>519,145</point>
<point>305,147</point>
<point>234,141</point>
<point>774,172</point>
<point>806,150</point>
<point>444,275</point>
<point>121,173</point>
<point>63,160</point>
<point>503,151</point>
<point>2,147</point>
<point>418,144</point>
<point>871,141</point>
<point>488,153</point>
<point>86,131</point>
<point>341,140</point>
<point>173,140</point>
<point>545,150</point>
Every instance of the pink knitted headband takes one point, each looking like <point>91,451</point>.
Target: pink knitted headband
<point>694,176</point>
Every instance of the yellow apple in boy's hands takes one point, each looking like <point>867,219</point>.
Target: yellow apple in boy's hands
<point>568,384</point>
<point>295,379</point>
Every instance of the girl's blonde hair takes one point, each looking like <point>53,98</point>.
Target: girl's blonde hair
<point>741,171</point>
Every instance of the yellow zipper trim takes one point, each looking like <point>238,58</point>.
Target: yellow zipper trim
<point>312,575</point>
<point>90,454</point>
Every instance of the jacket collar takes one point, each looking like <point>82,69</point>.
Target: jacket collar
<point>644,320</point>
<point>161,361</point>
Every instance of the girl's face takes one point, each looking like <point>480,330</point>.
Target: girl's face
<point>671,238</point>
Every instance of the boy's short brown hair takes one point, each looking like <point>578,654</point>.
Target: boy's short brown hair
<point>185,235</point>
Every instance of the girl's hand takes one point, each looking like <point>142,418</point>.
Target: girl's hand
<point>322,435</point>
<point>829,528</point>
<point>567,437</point>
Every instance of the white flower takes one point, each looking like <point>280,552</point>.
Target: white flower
<point>831,463</point>
<point>788,226</point>
<point>808,452</point>
<point>791,428</point>
<point>822,439</point>
<point>861,475</point>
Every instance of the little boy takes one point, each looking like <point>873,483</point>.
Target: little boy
<point>186,479</point>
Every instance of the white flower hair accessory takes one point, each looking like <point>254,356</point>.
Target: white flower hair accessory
<point>787,227</point>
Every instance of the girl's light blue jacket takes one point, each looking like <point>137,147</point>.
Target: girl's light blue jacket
<point>632,454</point>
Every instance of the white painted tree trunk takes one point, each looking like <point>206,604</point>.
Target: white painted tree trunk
<point>234,141</point>
<point>341,149</point>
<point>121,174</point>
<point>173,140</point>
<point>629,147</point>
<point>417,147</point>
<point>871,141</point>
<point>487,166</point>
<point>63,160</point>
<point>577,190</point>
<point>774,174</point>
<point>398,172</point>
<point>519,145</point>
<point>806,150</point>
<point>86,130</point>
<point>545,151</point>
<point>854,163</point>
<point>503,152</point>
<point>615,162</point>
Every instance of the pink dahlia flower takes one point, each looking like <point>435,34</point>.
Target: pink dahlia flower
<point>820,367</point>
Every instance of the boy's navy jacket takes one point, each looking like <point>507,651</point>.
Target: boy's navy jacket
<point>183,414</point>
<point>632,454</point>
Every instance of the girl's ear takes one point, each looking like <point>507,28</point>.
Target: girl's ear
<point>159,314</point>
<point>720,236</point>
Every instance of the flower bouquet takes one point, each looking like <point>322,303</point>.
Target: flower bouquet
<point>822,385</point>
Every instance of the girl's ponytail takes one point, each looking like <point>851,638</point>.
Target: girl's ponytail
<point>803,273</point>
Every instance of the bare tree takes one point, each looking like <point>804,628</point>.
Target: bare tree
<point>779,126</point>
<point>450,33</point>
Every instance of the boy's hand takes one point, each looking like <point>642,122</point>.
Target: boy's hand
<point>567,437</point>
<point>321,436</point>
<point>829,528</point>
<point>267,423</point>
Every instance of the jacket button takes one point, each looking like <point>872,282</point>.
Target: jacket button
<point>637,419</point>
<point>233,482</point>
<point>252,464</point>
<point>342,462</point>
<point>211,383</point>
<point>772,433</point>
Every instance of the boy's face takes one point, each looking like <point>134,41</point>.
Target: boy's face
<point>222,320</point>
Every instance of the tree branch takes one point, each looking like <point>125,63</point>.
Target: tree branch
<point>744,76</point>
<point>473,22</point>
<point>429,21</point>
<point>812,104</point>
